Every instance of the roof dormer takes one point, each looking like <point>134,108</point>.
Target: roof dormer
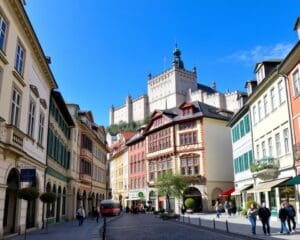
<point>186,109</point>
<point>263,69</point>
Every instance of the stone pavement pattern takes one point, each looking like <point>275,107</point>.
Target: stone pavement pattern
<point>239,224</point>
<point>149,227</point>
<point>65,231</point>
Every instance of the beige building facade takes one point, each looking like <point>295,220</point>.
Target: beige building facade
<point>25,84</point>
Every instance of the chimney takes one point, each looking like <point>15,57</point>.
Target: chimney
<point>297,27</point>
<point>250,85</point>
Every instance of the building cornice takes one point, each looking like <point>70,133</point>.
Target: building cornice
<point>26,25</point>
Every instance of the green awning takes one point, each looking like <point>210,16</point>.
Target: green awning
<point>293,181</point>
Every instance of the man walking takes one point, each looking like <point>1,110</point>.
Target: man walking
<point>264,216</point>
<point>291,213</point>
<point>80,215</point>
<point>283,217</point>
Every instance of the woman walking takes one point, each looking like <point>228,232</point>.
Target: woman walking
<point>283,215</point>
<point>252,213</point>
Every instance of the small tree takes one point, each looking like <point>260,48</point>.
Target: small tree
<point>189,203</point>
<point>171,185</point>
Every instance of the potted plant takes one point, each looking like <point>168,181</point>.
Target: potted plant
<point>28,194</point>
<point>189,204</point>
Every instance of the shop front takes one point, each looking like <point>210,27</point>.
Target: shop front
<point>136,198</point>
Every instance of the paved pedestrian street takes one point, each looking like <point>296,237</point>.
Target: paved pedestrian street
<point>137,227</point>
<point>65,231</point>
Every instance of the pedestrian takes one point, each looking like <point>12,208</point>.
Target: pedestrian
<point>218,207</point>
<point>97,213</point>
<point>264,214</point>
<point>252,214</point>
<point>226,207</point>
<point>283,217</point>
<point>80,215</point>
<point>291,216</point>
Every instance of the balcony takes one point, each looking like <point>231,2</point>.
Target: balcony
<point>86,153</point>
<point>195,179</point>
<point>85,178</point>
<point>11,135</point>
<point>265,169</point>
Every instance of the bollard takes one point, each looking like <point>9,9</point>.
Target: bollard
<point>199,221</point>
<point>214,223</point>
<point>226,226</point>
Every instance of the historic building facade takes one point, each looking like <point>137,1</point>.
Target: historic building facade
<point>25,84</point>
<point>88,182</point>
<point>59,150</point>
<point>183,140</point>
<point>170,89</point>
<point>137,173</point>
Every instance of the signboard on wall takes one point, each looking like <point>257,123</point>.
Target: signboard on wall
<point>28,175</point>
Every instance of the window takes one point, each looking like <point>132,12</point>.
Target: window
<point>31,119</point>
<point>188,138</point>
<point>187,125</point>
<point>273,99</point>
<point>15,108</point>
<point>270,147</point>
<point>257,151</point>
<point>286,140</point>
<point>260,114</point>
<point>189,165</point>
<point>296,81</point>
<point>281,93</point>
<point>247,123</point>
<point>3,30</point>
<point>263,149</point>
<point>266,105</point>
<point>242,129</point>
<point>41,128</point>
<point>254,115</point>
<point>278,144</point>
<point>20,59</point>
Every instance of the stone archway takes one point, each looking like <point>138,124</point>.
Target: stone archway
<point>48,206</point>
<point>194,193</point>
<point>32,207</point>
<point>11,202</point>
<point>215,195</point>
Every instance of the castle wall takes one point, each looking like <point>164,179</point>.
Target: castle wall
<point>140,108</point>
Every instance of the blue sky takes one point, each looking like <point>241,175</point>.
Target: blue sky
<point>102,51</point>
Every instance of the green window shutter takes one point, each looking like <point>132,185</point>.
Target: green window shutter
<point>247,123</point>
<point>241,163</point>
<point>246,161</point>
<point>250,157</point>
<point>242,128</point>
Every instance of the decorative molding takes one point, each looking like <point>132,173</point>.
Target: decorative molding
<point>3,57</point>
<point>19,77</point>
<point>35,90</point>
<point>43,103</point>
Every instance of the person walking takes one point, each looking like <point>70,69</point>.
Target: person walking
<point>97,213</point>
<point>264,214</point>
<point>218,208</point>
<point>80,215</point>
<point>226,207</point>
<point>283,217</point>
<point>252,214</point>
<point>291,213</point>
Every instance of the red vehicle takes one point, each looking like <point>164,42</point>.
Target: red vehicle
<point>109,208</point>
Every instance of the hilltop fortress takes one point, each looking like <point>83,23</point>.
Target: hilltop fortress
<point>170,89</point>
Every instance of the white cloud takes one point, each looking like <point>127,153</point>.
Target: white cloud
<point>260,53</point>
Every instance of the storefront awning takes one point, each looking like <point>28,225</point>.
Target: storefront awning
<point>227,192</point>
<point>267,186</point>
<point>293,181</point>
<point>239,190</point>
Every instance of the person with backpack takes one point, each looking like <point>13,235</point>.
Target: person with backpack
<point>291,213</point>
<point>251,214</point>
<point>264,214</point>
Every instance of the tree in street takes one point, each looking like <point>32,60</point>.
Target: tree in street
<point>171,185</point>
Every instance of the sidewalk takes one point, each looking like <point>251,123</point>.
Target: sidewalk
<point>237,224</point>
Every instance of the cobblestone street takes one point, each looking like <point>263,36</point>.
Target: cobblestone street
<point>136,227</point>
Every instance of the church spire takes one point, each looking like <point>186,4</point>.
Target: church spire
<point>177,62</point>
